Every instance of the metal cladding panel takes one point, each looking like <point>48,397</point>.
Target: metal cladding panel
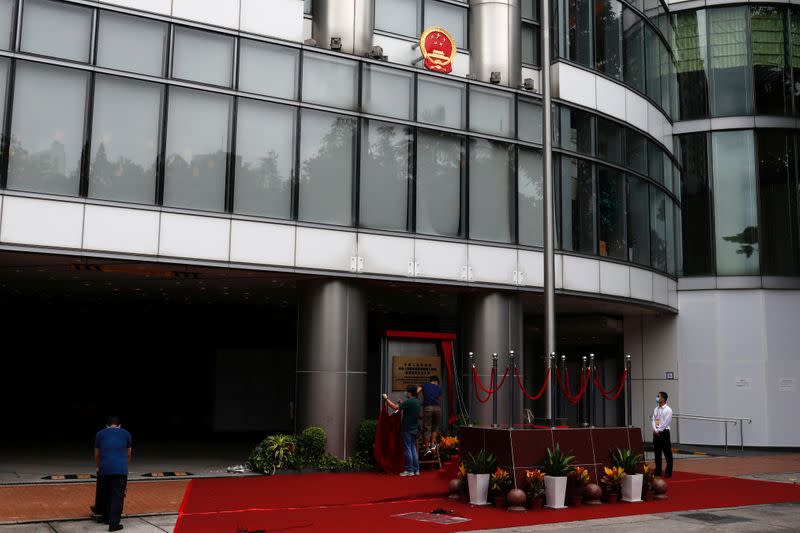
<point>495,45</point>
<point>351,20</point>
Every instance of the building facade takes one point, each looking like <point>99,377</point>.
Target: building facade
<point>186,145</point>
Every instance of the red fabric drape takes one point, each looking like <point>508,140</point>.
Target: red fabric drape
<point>447,352</point>
<point>387,448</point>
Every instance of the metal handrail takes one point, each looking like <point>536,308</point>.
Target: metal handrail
<point>740,420</point>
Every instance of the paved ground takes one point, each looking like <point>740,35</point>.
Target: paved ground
<point>144,524</point>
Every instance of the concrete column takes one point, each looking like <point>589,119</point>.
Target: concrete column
<point>331,361</point>
<point>352,21</point>
<point>492,322</point>
<point>494,40</point>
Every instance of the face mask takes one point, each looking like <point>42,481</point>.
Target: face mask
<point>658,399</point>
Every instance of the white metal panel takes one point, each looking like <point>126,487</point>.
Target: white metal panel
<point>641,284</point>
<point>162,7</point>
<point>42,222</point>
<point>672,293</point>
<point>461,65</point>
<point>660,293</point>
<point>398,50</point>
<point>615,279</point>
<point>440,260</point>
<point>325,249</point>
<point>655,122</point>
<point>223,13</point>
<point>194,237</point>
<point>386,255</point>
<point>610,98</point>
<point>306,28</point>
<point>118,229</point>
<point>531,265</point>
<point>659,346</point>
<point>557,266</point>
<point>282,19</point>
<point>576,85</point>
<point>492,265</point>
<point>581,274</point>
<point>262,243</point>
<point>636,110</point>
<point>533,74</point>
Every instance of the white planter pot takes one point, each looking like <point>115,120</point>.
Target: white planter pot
<point>632,488</point>
<point>555,490</point>
<point>478,488</point>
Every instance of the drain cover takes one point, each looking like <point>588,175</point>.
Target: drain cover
<point>167,474</point>
<point>712,518</point>
<point>62,477</point>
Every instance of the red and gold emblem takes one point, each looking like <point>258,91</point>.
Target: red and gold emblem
<point>438,49</point>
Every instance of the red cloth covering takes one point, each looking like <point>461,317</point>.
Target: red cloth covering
<point>387,447</point>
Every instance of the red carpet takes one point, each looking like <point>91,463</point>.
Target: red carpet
<point>367,502</point>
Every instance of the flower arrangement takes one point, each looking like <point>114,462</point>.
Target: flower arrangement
<point>613,476</point>
<point>535,482</point>
<point>448,447</point>
<point>500,482</point>
<point>648,474</point>
<point>580,476</point>
<point>462,471</point>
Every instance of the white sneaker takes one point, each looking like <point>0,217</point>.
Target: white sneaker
<point>406,474</point>
<point>416,473</point>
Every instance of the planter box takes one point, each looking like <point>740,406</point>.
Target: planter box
<point>555,491</point>
<point>632,488</point>
<point>478,488</point>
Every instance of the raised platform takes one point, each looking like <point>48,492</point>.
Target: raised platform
<point>525,449</point>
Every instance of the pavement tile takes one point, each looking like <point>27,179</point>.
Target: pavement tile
<point>26,528</point>
<point>132,525</point>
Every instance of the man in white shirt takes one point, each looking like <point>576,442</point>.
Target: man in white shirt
<point>662,416</point>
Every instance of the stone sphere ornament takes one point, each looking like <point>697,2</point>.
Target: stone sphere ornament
<point>660,489</point>
<point>516,500</point>
<point>454,488</point>
<point>593,493</point>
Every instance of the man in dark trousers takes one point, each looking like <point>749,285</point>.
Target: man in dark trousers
<point>409,427</point>
<point>431,412</point>
<point>662,416</point>
<point>112,453</point>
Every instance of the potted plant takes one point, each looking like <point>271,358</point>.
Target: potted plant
<point>629,461</point>
<point>462,478</point>
<point>579,478</point>
<point>448,448</point>
<point>556,468</point>
<point>479,469</point>
<point>534,487</point>
<point>647,482</point>
<point>499,484</point>
<point>612,480</point>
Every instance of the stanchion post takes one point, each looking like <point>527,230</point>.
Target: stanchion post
<point>512,365</point>
<point>591,397</point>
<point>552,391</point>
<point>628,399</point>
<point>583,421</point>
<point>470,389</point>
<point>562,403</point>
<point>493,386</point>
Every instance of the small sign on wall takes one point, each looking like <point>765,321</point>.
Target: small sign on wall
<point>786,385</point>
<point>743,383</point>
<point>414,370</point>
<point>670,375</point>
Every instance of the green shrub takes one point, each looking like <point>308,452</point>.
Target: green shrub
<point>311,445</point>
<point>365,440</point>
<point>557,463</point>
<point>627,459</point>
<point>274,453</point>
<point>331,463</point>
<point>481,463</point>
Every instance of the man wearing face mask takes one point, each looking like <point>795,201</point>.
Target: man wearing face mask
<point>662,416</point>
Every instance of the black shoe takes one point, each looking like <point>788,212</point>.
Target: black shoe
<point>115,528</point>
<point>668,476</point>
<point>93,509</point>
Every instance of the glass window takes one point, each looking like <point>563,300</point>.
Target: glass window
<point>268,69</point>
<point>329,80</point>
<point>609,141</point>
<point>125,139</point>
<point>794,15</point>
<point>264,159</point>
<point>575,130</point>
<point>608,37</point>
<point>439,172</point>
<point>530,196</point>
<point>530,44</point>
<point>576,34</point>
<point>611,213</point>
<point>388,92</point>
<point>385,174</point>
<point>690,51</point>
<point>398,16</point>
<point>5,67</point>
<point>530,9</point>
<point>307,6</point>
<point>197,149</point>
<point>636,151</point>
<point>778,202</point>
<point>56,29</point>
<point>771,77</point>
<point>667,72</point>
<point>638,221</point>
<point>202,56</point>
<point>131,43</point>
<point>658,228</point>
<point>6,19</point>
<point>491,200</point>
<point>670,223</point>
<point>491,112</point>
<point>577,206</point>
<point>655,162</point>
<point>633,49</point>
<point>735,203</point>
<point>652,45</point>
<point>327,148</point>
<point>441,102</point>
<point>529,120</point>
<point>450,17</point>
<point>698,257</point>
<point>731,92</point>
<point>47,129</point>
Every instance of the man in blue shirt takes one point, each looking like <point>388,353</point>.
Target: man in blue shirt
<point>431,412</point>
<point>112,453</point>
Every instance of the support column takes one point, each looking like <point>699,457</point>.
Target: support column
<point>494,29</point>
<point>492,322</point>
<point>331,361</point>
<point>349,21</point>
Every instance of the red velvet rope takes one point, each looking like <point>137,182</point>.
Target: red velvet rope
<point>583,380</point>
<point>478,382</point>
<point>525,392</point>
<point>616,391</point>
